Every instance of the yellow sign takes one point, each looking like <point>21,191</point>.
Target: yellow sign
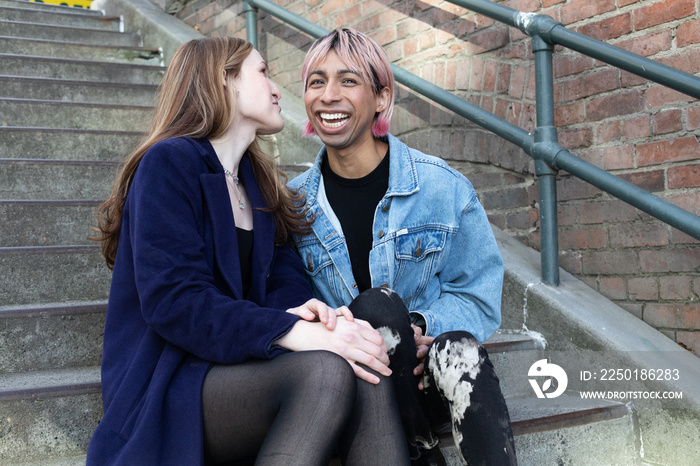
<point>73,3</point>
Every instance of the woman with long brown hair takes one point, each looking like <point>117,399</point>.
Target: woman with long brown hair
<point>214,351</point>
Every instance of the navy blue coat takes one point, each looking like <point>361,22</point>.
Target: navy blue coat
<point>176,307</point>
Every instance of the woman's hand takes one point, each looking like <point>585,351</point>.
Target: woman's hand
<point>314,309</point>
<point>354,340</point>
<point>422,344</point>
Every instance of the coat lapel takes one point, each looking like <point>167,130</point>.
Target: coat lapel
<point>224,228</point>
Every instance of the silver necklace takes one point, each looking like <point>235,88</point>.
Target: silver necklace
<point>236,188</point>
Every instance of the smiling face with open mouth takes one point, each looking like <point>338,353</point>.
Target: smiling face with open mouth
<point>341,105</point>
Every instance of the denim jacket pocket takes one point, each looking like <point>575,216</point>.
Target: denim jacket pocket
<point>418,255</point>
<point>321,272</point>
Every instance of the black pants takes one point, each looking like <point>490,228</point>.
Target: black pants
<point>300,409</point>
<point>461,387</point>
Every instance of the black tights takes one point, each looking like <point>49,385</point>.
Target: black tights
<point>299,409</point>
<point>462,389</point>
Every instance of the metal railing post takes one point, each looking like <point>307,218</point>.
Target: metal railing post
<point>251,23</point>
<point>545,136</point>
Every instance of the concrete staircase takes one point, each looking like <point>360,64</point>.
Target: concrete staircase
<point>75,90</point>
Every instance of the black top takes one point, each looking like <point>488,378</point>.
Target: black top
<point>354,202</point>
<point>245,255</point>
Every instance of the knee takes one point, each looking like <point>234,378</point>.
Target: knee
<point>327,369</point>
<point>381,307</point>
<point>454,355</point>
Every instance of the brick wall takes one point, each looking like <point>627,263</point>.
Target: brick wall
<point>638,130</point>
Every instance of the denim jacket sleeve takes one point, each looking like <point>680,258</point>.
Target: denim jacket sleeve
<point>470,281</point>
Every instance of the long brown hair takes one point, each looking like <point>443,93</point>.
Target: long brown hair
<point>192,102</point>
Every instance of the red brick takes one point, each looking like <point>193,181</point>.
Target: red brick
<point>569,261</point>
<point>688,33</point>
<point>606,212</point>
<point>487,39</point>
<point>609,262</point>
<point>670,260</point>
<point>565,115</point>
<point>676,288</point>
<point>639,235</point>
<point>592,155</point>
<point>520,221</point>
<point>652,180</point>
<point>607,131</point>
<point>571,139</point>
<point>667,315</point>
<point>686,201</point>
<point>503,80</point>
<point>333,6</point>
<point>517,82</point>
<point>608,28</point>
<point>547,3</point>
<point>648,45</point>
<point>566,214</point>
<point>659,96</point>
<point>589,238</point>
<point>678,237</point>
<point>662,12</point>
<point>618,157</point>
<point>582,9</point>
<point>630,80</point>
<point>643,289</point>
<point>689,340</point>
<point>636,127</point>
<point>490,75</point>
<point>687,60</point>
<point>666,121</point>
<point>623,103</point>
<point>685,176</point>
<point>613,287</point>
<point>621,3</point>
<point>591,84</point>
<point>675,150</point>
<point>571,63</point>
<point>692,118</point>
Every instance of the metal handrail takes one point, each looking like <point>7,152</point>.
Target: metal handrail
<point>542,145</point>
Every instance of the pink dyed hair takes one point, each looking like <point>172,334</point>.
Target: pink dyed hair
<point>363,55</point>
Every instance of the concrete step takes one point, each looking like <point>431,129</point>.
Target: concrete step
<point>81,70</point>
<point>55,179</point>
<point>69,34</point>
<point>55,335</point>
<point>74,18</point>
<point>53,114</point>
<point>46,223</point>
<point>48,7</point>
<point>50,274</point>
<point>66,144</point>
<point>565,431</point>
<point>77,50</point>
<point>77,91</point>
<point>510,352</point>
<point>48,417</point>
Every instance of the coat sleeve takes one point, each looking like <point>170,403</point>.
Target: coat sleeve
<point>176,285</point>
<point>287,285</point>
<point>471,284</point>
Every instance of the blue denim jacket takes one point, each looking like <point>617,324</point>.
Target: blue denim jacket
<point>432,244</point>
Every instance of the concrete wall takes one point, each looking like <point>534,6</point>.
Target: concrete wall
<point>636,129</point>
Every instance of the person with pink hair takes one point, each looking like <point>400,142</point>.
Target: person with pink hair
<point>401,239</point>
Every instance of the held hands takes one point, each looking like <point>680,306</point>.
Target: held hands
<point>422,344</point>
<point>355,340</point>
<point>314,309</point>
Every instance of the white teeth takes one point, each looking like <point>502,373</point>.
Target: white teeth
<point>333,116</point>
<point>333,120</point>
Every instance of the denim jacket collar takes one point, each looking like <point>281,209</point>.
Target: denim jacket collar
<point>403,177</point>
